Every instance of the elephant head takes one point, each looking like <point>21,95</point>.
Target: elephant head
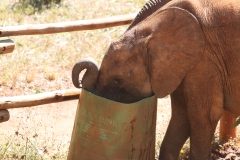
<point>151,57</point>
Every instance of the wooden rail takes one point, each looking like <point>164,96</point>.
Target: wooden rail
<point>32,29</point>
<point>39,99</point>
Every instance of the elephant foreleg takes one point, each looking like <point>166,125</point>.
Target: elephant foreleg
<point>204,96</point>
<point>178,129</point>
<point>203,123</point>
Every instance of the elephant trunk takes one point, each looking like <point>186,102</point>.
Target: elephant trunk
<point>90,77</point>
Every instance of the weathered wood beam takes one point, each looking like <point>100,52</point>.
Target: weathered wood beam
<point>6,46</point>
<point>32,29</point>
<point>39,99</point>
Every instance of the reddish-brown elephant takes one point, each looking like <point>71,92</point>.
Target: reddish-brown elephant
<point>189,49</point>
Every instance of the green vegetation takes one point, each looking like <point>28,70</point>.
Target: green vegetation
<point>32,6</point>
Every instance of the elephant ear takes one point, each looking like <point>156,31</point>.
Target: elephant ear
<point>175,45</point>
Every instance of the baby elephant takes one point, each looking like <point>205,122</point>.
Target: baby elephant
<point>189,49</point>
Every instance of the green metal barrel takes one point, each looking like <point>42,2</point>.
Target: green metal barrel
<point>108,130</point>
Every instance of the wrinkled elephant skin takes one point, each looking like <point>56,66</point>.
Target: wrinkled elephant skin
<point>189,49</point>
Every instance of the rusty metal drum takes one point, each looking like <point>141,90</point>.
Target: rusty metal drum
<point>108,130</point>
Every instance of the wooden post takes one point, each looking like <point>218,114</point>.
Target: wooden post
<point>6,46</point>
<point>227,130</point>
<point>4,115</point>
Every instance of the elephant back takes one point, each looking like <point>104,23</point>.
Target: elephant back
<point>150,7</point>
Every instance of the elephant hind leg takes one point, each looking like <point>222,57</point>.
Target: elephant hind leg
<point>178,128</point>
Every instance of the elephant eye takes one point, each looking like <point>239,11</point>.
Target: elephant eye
<point>117,81</point>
